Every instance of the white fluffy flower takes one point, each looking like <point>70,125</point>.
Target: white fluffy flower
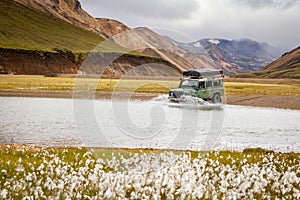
<point>4,193</point>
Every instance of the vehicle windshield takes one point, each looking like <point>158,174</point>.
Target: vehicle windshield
<point>189,84</point>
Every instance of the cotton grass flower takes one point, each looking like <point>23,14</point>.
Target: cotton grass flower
<point>67,175</point>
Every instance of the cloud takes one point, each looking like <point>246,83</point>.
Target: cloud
<point>167,9</point>
<point>257,4</point>
<point>273,21</point>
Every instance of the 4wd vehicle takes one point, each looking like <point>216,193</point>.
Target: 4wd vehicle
<point>206,84</point>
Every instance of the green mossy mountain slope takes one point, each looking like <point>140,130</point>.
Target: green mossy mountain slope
<point>40,44</point>
<point>23,28</point>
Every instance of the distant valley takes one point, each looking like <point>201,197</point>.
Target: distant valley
<point>287,66</point>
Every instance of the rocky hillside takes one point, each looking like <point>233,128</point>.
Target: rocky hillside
<point>35,62</point>
<point>36,43</point>
<point>151,43</point>
<point>146,41</point>
<point>182,57</point>
<point>287,66</point>
<point>242,54</point>
<point>71,11</point>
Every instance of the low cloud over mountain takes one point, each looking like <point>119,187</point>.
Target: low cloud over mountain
<point>272,21</point>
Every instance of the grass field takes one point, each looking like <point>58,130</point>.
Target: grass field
<point>38,83</point>
<point>262,89</point>
<point>35,173</point>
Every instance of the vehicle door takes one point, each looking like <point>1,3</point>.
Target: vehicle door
<point>204,90</point>
<point>218,86</point>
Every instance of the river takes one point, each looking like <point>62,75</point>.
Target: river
<point>146,124</point>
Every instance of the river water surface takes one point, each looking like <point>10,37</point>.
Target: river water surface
<point>146,124</point>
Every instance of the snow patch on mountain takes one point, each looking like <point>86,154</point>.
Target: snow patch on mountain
<point>197,44</point>
<point>215,42</point>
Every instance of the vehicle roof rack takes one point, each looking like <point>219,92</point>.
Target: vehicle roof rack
<point>204,72</point>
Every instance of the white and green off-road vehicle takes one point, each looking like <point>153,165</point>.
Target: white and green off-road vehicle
<point>206,84</point>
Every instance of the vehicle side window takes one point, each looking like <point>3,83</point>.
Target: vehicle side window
<point>193,83</point>
<point>216,83</point>
<point>189,83</point>
<point>209,84</point>
<point>201,85</point>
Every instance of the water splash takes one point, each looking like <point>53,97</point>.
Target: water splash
<point>161,98</point>
<point>193,100</point>
<point>187,102</point>
<point>184,100</point>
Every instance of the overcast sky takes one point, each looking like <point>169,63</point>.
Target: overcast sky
<point>276,22</point>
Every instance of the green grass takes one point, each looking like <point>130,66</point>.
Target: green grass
<point>37,83</point>
<point>236,88</point>
<point>23,28</point>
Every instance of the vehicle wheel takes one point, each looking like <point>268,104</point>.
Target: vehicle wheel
<point>216,98</point>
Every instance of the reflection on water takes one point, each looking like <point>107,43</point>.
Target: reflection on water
<point>105,123</point>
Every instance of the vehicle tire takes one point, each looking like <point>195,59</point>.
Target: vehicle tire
<point>216,98</point>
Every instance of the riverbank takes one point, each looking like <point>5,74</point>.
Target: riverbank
<point>268,101</point>
<point>271,101</point>
<point>279,93</point>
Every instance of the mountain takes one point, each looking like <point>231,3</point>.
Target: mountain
<point>197,53</point>
<point>287,66</point>
<point>23,28</point>
<point>147,41</point>
<point>71,12</point>
<point>244,54</point>
<point>34,42</point>
<point>232,56</point>
<point>155,45</point>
